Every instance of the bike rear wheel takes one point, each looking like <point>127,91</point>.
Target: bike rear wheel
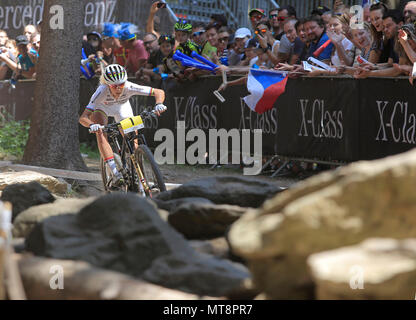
<point>150,170</point>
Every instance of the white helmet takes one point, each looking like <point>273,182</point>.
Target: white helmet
<point>115,74</point>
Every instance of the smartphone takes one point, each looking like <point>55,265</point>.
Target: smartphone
<point>161,5</point>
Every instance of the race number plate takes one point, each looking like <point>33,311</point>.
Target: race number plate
<point>132,124</point>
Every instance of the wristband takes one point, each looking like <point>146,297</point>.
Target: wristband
<point>164,76</point>
<point>156,70</point>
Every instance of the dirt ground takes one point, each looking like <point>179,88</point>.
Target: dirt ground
<point>180,174</point>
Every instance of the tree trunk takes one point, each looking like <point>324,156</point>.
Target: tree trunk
<point>53,137</point>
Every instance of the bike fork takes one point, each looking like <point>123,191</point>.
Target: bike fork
<point>142,180</point>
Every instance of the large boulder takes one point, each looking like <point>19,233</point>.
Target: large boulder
<point>124,233</point>
<point>56,186</point>
<point>204,220</point>
<point>28,219</point>
<point>331,210</point>
<point>171,205</point>
<point>234,190</point>
<point>26,195</point>
<point>378,268</point>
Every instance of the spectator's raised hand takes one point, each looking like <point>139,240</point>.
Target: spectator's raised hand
<point>335,38</point>
<point>221,68</point>
<point>154,8</point>
<point>402,35</point>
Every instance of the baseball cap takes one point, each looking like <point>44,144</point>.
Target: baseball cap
<point>242,33</point>
<point>261,11</point>
<point>21,40</point>
<point>94,33</point>
<point>252,43</point>
<point>320,10</point>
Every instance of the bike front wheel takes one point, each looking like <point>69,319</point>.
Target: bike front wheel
<point>150,170</point>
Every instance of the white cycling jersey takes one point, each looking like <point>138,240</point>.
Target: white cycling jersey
<point>119,108</point>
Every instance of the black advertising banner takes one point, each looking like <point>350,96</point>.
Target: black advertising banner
<point>387,118</point>
<point>318,119</point>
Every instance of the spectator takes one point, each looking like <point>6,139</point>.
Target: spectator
<point>274,22</point>
<point>324,12</point>
<point>284,13</point>
<point>27,59</point>
<point>269,44</point>
<point>392,21</point>
<point>300,49</point>
<point>344,48</point>
<point>315,30</point>
<point>29,31</point>
<point>5,71</point>
<point>150,26</point>
<point>150,43</point>
<point>209,49</point>
<point>156,66</point>
<point>183,31</point>
<point>113,51</point>
<point>367,17</point>
<point>256,15</point>
<point>223,39</point>
<point>198,34</point>
<point>286,46</point>
<point>3,38</point>
<point>409,12</point>
<point>220,19</point>
<point>35,41</point>
<point>254,55</point>
<point>137,55</point>
<point>241,38</point>
<point>379,54</point>
<point>407,40</point>
<point>364,40</point>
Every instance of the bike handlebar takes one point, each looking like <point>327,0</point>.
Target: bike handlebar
<point>113,126</point>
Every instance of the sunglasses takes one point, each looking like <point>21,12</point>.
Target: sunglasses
<point>273,16</point>
<point>36,43</point>
<point>116,86</point>
<point>281,18</point>
<point>198,33</point>
<point>225,39</point>
<point>257,31</point>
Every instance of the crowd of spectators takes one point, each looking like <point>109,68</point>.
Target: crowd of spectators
<point>382,45</point>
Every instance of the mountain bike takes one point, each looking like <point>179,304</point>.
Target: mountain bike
<point>137,165</point>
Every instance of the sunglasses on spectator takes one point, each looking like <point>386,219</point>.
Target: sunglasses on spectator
<point>257,31</point>
<point>281,18</point>
<point>198,33</point>
<point>273,16</point>
<point>116,86</point>
<point>36,43</point>
<point>224,39</point>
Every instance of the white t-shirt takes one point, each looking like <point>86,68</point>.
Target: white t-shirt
<point>119,108</point>
<point>348,46</point>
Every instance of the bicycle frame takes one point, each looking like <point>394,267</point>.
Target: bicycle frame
<point>128,142</point>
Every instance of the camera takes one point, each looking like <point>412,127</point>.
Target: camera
<point>161,5</point>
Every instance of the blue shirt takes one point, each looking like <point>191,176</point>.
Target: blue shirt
<point>326,54</point>
<point>26,62</point>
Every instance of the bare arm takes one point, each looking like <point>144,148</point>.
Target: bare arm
<point>84,119</point>
<point>150,26</point>
<point>159,95</point>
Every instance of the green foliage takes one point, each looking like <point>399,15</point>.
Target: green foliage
<point>13,137</point>
<point>90,149</point>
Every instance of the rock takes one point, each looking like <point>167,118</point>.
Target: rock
<point>26,195</point>
<point>239,191</point>
<point>217,247</point>
<point>171,205</point>
<point>124,233</point>
<point>52,184</point>
<point>328,211</point>
<point>29,218</point>
<point>84,282</point>
<point>204,220</point>
<point>379,269</point>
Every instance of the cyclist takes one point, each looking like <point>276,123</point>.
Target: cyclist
<point>111,99</point>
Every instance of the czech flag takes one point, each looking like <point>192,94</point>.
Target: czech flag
<point>265,87</point>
